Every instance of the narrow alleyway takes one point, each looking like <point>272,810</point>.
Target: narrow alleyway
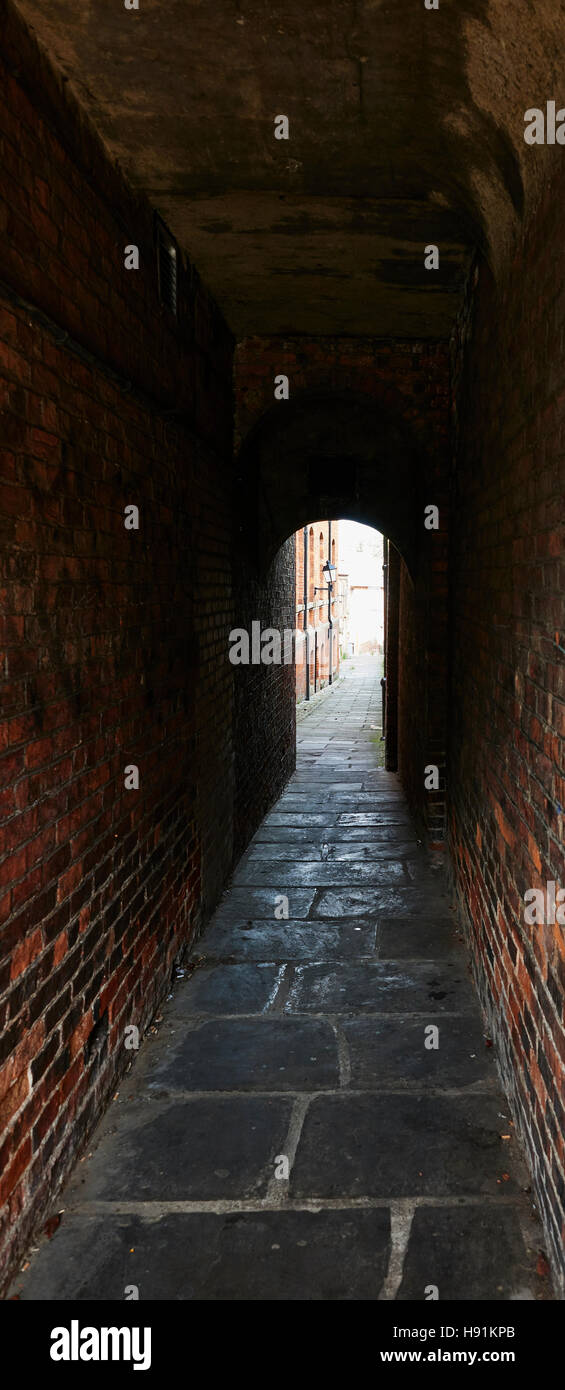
<point>337,726</point>
<point>300,1044</point>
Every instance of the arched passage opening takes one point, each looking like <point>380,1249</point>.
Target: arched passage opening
<point>342,455</point>
<point>342,617</point>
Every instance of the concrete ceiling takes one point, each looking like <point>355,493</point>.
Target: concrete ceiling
<point>406,128</point>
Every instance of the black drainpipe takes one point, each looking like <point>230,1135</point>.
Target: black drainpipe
<point>330,623</point>
<point>305,614</point>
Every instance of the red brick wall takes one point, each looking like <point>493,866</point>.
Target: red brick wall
<point>506,774</point>
<point>413,374</point>
<point>114,642</point>
<point>299,620</point>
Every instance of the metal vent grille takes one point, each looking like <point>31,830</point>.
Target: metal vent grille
<point>167,263</point>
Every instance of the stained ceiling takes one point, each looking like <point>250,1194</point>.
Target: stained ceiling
<point>406,129</point>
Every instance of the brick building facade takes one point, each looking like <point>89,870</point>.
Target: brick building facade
<point>317,543</point>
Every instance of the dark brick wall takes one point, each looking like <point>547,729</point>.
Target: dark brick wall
<point>392,616</point>
<point>264,696</point>
<point>416,686</point>
<point>412,375</point>
<point>412,690</point>
<point>506,768</point>
<point>423,713</point>
<point>114,641</point>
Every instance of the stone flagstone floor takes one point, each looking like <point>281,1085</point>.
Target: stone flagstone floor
<point>298,1044</point>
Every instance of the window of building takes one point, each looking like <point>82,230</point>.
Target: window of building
<point>311,580</point>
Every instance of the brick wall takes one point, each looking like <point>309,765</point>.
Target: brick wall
<point>412,689</point>
<point>114,641</point>
<point>265,704</point>
<point>506,770</point>
<point>423,713</point>
<point>300,619</point>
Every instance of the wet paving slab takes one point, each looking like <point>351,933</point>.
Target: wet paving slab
<point>381,987</point>
<point>308,852</point>
<point>317,1114</point>
<point>298,834</point>
<point>241,1132</point>
<point>478,1247</point>
<point>236,1256</point>
<point>423,937</point>
<point>405,1145</point>
<point>333,816</point>
<point>259,1054</point>
<point>333,903</point>
<point>433,1052</point>
<point>243,903</point>
<point>246,988</point>
<point>290,940</point>
<point>325,873</point>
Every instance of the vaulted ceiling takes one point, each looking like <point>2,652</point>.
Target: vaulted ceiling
<point>406,129</point>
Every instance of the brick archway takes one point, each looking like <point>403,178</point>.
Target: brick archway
<point>349,454</point>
